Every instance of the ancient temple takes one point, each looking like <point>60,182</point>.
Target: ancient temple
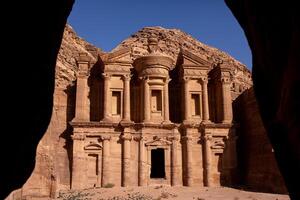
<point>152,120</point>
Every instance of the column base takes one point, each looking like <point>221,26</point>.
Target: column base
<point>147,122</point>
<point>206,121</point>
<point>166,122</point>
<point>126,122</point>
<point>187,121</point>
<point>226,121</point>
<point>106,119</point>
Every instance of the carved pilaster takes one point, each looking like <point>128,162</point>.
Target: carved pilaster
<point>82,106</point>
<point>126,112</point>
<point>106,97</point>
<point>227,102</point>
<point>175,164</point>
<point>126,178</point>
<point>207,156</point>
<point>186,99</point>
<point>189,160</point>
<point>142,181</point>
<point>106,160</point>
<point>166,101</point>
<point>146,100</point>
<point>205,102</point>
<point>79,162</point>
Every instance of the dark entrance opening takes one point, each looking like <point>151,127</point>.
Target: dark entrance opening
<point>157,163</point>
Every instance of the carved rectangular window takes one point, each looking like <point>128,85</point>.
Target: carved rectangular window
<point>156,100</point>
<point>116,102</point>
<point>195,104</point>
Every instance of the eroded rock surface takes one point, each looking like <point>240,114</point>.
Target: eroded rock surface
<point>52,170</point>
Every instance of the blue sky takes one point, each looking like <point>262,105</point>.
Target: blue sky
<point>106,23</point>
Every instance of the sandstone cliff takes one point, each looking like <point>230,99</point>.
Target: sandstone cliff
<point>171,40</point>
<point>53,159</point>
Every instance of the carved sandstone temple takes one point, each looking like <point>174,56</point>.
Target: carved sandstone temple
<point>152,120</point>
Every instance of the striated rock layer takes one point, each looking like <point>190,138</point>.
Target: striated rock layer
<point>54,153</point>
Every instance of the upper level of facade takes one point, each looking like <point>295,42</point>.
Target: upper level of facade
<point>153,88</point>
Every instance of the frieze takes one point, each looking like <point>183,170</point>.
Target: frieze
<point>191,72</point>
<point>126,137</point>
<point>116,68</point>
<point>78,137</point>
<point>152,71</point>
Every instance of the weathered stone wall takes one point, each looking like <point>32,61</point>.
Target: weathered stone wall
<point>257,164</point>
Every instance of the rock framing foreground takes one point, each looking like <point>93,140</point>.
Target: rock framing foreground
<point>152,68</point>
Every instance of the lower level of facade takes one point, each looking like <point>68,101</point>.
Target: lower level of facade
<point>131,154</point>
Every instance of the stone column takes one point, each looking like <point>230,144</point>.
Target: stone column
<point>105,160</point>
<point>207,163</point>
<point>186,99</point>
<point>166,101</point>
<point>126,178</point>
<point>106,97</point>
<point>126,109</point>
<point>227,102</point>
<point>189,160</point>
<point>205,100</point>
<point>99,169</point>
<point>82,108</point>
<point>146,100</point>
<point>142,170</point>
<point>79,162</point>
<point>175,178</point>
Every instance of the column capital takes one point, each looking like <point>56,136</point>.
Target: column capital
<point>204,80</point>
<point>167,80</point>
<point>106,76</point>
<point>186,78</point>
<point>187,138</point>
<point>207,137</point>
<point>105,137</point>
<point>140,138</point>
<point>126,77</point>
<point>78,137</point>
<point>144,78</point>
<point>83,74</point>
<point>173,138</point>
<point>225,80</point>
<point>126,137</point>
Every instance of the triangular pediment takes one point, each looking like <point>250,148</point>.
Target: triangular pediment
<point>190,59</point>
<point>93,146</point>
<point>121,55</point>
<point>158,142</point>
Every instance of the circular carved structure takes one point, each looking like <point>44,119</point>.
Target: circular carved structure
<point>153,65</point>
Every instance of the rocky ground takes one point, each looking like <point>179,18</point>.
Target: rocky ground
<point>165,192</point>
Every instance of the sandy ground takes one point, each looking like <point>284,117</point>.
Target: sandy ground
<point>166,192</point>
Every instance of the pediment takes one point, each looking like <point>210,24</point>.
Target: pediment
<point>158,142</point>
<point>93,146</point>
<point>190,59</point>
<point>121,55</point>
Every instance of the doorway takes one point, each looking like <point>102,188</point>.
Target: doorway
<point>157,163</point>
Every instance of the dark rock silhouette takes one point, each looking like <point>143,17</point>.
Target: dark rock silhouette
<point>32,37</point>
<point>34,31</point>
<point>273,32</point>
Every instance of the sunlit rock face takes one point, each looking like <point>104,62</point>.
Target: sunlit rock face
<point>159,95</point>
